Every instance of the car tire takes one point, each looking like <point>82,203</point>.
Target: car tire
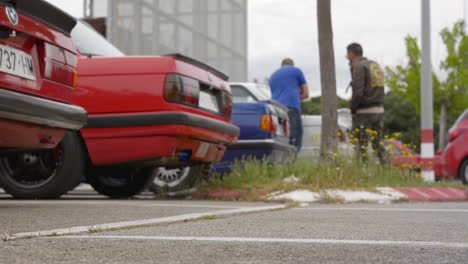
<point>463,174</point>
<point>44,174</point>
<point>178,179</point>
<point>120,183</point>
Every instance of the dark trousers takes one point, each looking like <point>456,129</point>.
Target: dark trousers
<point>297,130</point>
<point>369,128</point>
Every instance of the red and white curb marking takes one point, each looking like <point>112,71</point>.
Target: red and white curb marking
<point>434,194</point>
<point>382,195</point>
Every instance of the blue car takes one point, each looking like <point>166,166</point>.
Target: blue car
<point>264,128</point>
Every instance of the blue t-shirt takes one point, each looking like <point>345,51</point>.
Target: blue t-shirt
<point>285,86</point>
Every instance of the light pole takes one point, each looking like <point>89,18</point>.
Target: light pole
<point>427,106</point>
<point>88,8</point>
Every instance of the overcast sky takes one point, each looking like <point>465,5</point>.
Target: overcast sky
<point>288,28</point>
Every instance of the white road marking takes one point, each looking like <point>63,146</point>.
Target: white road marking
<point>278,240</point>
<point>142,223</point>
<point>370,209</point>
<point>135,203</point>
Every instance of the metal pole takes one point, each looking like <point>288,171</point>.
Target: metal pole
<point>85,8</point>
<point>91,8</point>
<point>427,106</point>
<point>464,11</point>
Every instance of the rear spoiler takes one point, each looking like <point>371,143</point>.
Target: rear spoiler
<point>46,13</point>
<point>200,64</point>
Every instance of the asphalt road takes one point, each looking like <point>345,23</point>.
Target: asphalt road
<point>362,233</point>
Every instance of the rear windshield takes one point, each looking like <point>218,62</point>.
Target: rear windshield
<point>242,95</point>
<point>264,93</point>
<point>462,118</point>
<point>90,43</point>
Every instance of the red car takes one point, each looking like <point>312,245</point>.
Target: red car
<point>146,112</point>
<point>403,158</point>
<point>455,155</point>
<point>37,76</point>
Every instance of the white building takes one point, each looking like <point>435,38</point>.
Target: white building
<point>212,31</point>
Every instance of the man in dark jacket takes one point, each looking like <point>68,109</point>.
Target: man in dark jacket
<point>367,103</point>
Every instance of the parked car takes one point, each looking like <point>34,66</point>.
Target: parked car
<point>264,128</point>
<point>404,158</point>
<point>313,130</point>
<point>37,76</point>
<point>312,124</point>
<point>455,155</point>
<point>149,117</point>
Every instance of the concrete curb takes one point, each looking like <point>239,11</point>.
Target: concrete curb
<point>381,195</point>
<point>428,194</point>
<point>140,223</point>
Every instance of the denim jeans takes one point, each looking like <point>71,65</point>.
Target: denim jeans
<point>297,130</point>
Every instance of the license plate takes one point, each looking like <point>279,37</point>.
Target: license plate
<point>280,131</point>
<point>209,102</point>
<point>16,62</point>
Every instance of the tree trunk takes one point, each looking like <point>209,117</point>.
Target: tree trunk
<point>328,80</point>
<point>443,125</point>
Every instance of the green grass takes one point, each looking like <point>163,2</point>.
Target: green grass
<point>253,177</point>
<point>208,218</point>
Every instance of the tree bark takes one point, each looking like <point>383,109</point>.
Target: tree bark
<point>329,106</point>
<point>443,125</point>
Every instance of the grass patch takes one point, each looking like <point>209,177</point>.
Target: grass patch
<point>96,230</point>
<point>325,198</point>
<point>254,177</point>
<point>208,218</point>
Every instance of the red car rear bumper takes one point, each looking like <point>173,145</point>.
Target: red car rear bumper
<point>29,122</point>
<point>155,139</point>
<point>20,135</point>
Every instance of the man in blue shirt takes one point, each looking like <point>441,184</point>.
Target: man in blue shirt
<point>289,87</point>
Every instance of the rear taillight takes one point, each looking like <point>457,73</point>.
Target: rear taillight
<point>59,65</point>
<point>269,123</point>
<point>454,134</point>
<point>227,104</point>
<point>181,90</point>
<point>287,129</point>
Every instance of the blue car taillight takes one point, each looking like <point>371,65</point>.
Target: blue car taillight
<point>269,123</point>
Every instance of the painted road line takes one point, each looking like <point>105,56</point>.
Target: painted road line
<point>277,240</point>
<point>136,204</point>
<point>142,223</point>
<point>370,209</point>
